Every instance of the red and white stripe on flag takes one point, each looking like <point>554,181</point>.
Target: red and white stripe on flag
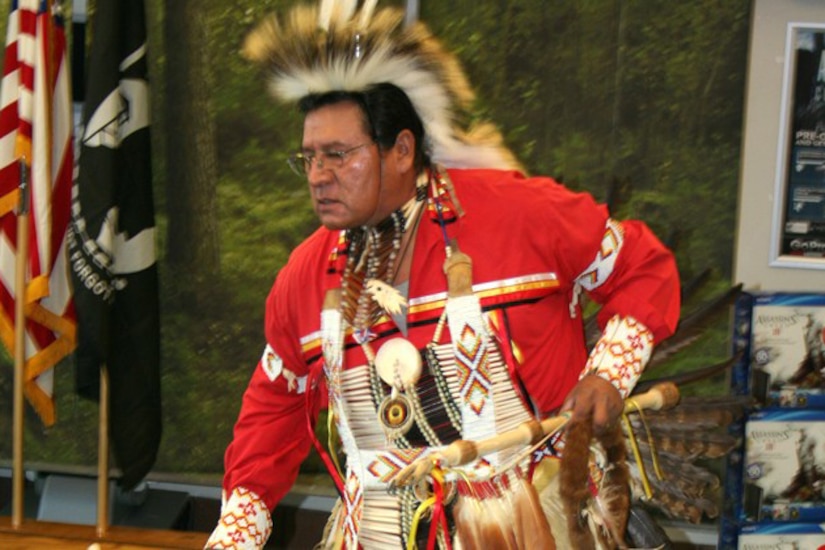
<point>36,126</point>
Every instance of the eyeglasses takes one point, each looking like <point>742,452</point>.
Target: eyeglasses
<point>301,163</point>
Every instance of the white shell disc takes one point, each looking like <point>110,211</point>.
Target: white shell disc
<point>398,362</point>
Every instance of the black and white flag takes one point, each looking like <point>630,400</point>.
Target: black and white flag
<point>112,239</point>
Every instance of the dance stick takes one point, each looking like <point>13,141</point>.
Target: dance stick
<point>659,397</point>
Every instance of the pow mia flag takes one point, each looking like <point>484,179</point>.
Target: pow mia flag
<point>112,240</point>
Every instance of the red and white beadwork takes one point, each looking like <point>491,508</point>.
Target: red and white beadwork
<point>605,261</point>
<point>621,353</point>
<point>244,524</point>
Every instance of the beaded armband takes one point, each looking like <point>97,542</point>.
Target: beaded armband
<point>621,353</point>
<point>245,523</point>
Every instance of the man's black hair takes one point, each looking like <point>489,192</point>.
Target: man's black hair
<point>387,110</point>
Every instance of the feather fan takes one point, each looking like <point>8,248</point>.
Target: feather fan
<point>694,429</point>
<point>680,450</point>
<point>677,450</point>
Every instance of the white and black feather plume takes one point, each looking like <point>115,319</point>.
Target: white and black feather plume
<point>340,46</point>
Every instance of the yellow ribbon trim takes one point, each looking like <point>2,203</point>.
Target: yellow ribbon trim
<point>634,445</point>
<point>438,477</point>
<point>654,454</point>
<point>422,508</point>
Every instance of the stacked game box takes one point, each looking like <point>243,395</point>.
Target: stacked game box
<point>784,468</point>
<point>787,364</point>
<point>782,536</point>
<point>778,486</point>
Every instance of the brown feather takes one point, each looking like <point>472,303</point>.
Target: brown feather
<point>718,411</point>
<point>512,520</point>
<point>479,526</point>
<point>689,444</point>
<point>686,492</point>
<point>679,508</point>
<point>532,529</point>
<point>686,477</point>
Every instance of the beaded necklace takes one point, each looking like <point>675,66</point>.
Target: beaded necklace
<point>372,261</point>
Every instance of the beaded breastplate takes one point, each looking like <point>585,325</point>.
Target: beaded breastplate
<point>406,402</point>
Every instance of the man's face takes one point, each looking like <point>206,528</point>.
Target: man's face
<point>359,191</point>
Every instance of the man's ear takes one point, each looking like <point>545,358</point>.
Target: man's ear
<point>405,150</point>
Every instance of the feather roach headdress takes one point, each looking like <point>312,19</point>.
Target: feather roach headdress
<point>338,45</point>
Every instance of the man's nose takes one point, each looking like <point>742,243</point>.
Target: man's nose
<point>317,173</point>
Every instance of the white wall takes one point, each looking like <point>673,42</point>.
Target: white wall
<point>766,69</point>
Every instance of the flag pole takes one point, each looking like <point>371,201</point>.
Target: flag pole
<point>103,455</point>
<point>19,345</point>
<point>79,18</point>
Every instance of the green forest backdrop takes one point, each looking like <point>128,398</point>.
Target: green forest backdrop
<point>638,101</point>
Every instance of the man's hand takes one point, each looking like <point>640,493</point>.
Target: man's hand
<point>595,397</point>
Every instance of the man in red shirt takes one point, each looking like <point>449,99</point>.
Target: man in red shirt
<point>438,301</point>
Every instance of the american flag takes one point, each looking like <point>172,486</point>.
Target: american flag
<point>36,138</point>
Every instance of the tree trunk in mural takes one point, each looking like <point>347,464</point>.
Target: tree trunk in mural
<point>191,169</point>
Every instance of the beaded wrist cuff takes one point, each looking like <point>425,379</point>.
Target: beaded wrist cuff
<point>244,524</point>
<point>621,353</point>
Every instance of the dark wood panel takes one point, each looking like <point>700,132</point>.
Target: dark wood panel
<point>39,534</point>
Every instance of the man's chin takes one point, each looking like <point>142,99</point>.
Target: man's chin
<point>335,223</point>
<point>333,226</point>
<point>337,218</point>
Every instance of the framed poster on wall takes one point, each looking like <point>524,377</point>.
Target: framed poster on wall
<point>798,235</point>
